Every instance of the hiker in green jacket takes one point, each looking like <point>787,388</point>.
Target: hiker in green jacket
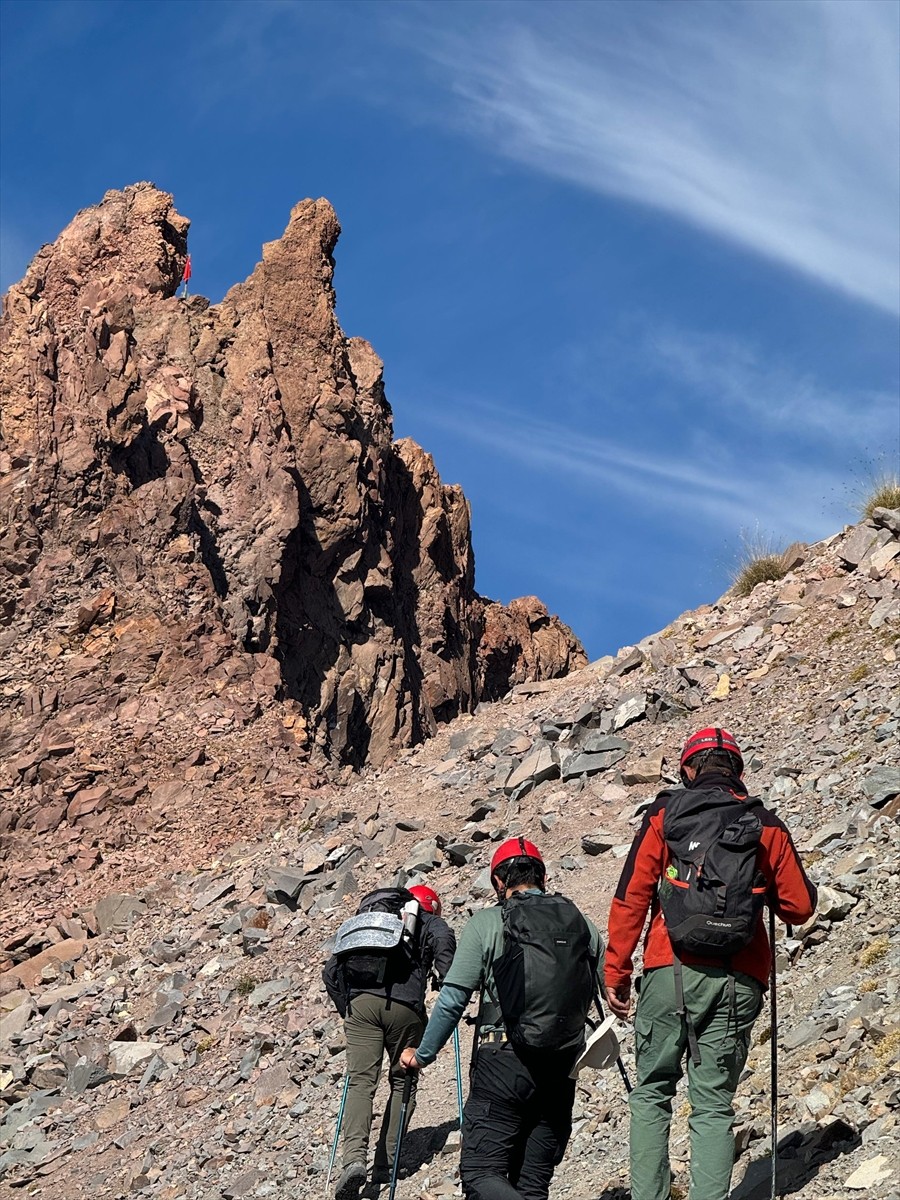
<point>518,1116</point>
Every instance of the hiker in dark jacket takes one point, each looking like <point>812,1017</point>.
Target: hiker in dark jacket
<point>518,1115</point>
<point>721,998</point>
<point>385,1017</point>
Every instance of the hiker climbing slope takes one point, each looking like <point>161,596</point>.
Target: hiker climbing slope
<point>379,990</point>
<point>706,859</point>
<point>534,957</point>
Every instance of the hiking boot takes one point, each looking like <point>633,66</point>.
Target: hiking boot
<point>351,1181</point>
<point>382,1174</point>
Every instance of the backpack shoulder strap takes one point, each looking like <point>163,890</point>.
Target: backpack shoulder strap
<point>683,1012</point>
<point>345,984</point>
<point>675,801</point>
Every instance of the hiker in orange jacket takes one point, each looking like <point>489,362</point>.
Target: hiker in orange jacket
<point>690,1004</point>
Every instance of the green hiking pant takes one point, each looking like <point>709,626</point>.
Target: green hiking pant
<point>372,1027</point>
<point>723,1030</point>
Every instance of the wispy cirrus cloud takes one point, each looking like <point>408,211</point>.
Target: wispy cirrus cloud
<point>746,385</point>
<point>660,485</point>
<point>750,439</point>
<point>774,125</point>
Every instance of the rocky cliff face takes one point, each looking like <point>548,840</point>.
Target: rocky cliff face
<point>210,497</point>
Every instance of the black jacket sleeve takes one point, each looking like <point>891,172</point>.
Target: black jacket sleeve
<point>441,945</point>
<point>331,977</point>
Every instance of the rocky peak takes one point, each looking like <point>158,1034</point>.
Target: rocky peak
<point>228,475</point>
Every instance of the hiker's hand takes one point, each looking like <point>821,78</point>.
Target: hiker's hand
<point>408,1060</point>
<point>619,1000</point>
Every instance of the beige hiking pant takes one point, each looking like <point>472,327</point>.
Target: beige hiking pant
<point>372,1027</point>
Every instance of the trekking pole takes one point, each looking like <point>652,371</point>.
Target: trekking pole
<point>624,1074</point>
<point>773,1048</point>
<point>619,1062</point>
<point>337,1132</point>
<point>459,1099</point>
<point>404,1106</point>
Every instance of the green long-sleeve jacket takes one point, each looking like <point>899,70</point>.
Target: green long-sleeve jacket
<point>480,943</point>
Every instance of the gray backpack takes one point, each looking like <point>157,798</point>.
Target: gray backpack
<point>376,947</point>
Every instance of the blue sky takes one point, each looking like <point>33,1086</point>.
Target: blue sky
<point>632,267</point>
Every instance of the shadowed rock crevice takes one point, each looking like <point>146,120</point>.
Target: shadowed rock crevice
<point>209,551</point>
<point>499,668</point>
<point>143,460</point>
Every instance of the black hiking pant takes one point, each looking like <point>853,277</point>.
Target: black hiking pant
<point>516,1123</point>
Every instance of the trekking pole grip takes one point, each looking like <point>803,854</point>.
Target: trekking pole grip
<point>408,1086</point>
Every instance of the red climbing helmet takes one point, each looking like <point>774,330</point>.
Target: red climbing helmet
<point>427,898</point>
<point>709,739</point>
<point>515,848</point>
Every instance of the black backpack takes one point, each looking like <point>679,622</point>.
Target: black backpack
<point>712,892</point>
<point>375,948</point>
<point>545,979</point>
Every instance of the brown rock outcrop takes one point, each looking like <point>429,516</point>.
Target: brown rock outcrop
<point>209,497</point>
